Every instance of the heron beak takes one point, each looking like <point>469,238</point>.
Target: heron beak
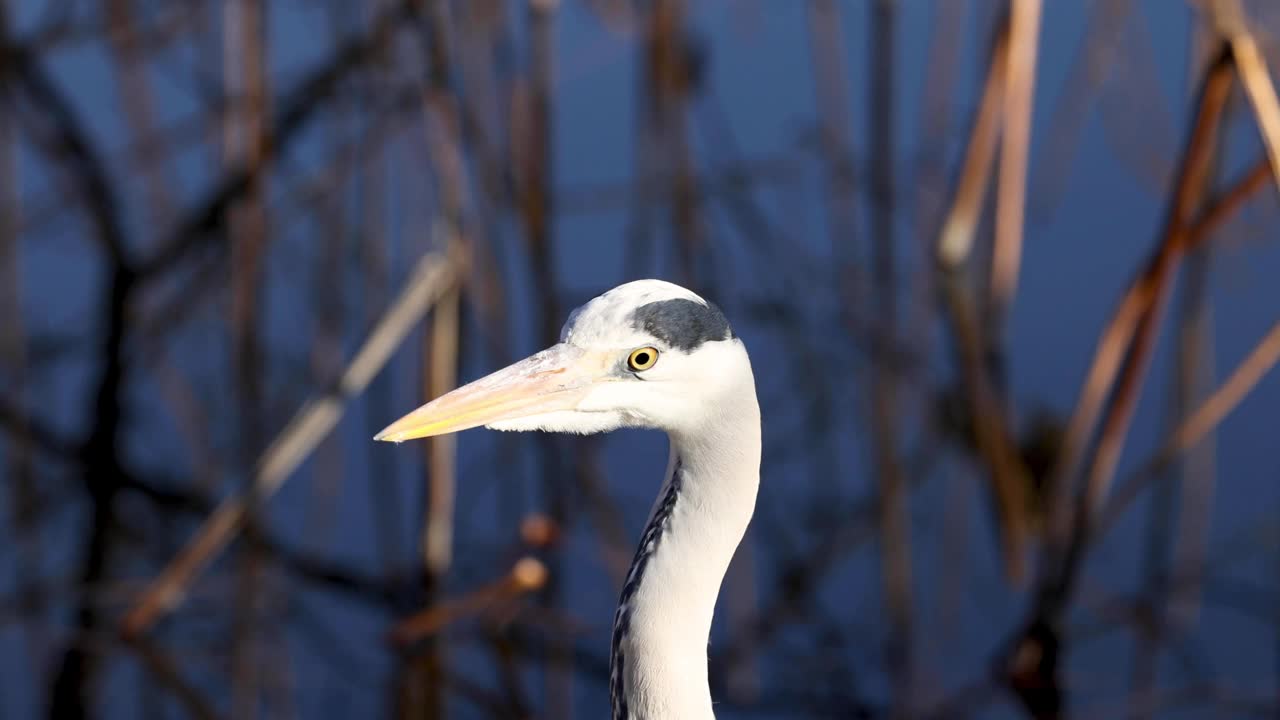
<point>553,380</point>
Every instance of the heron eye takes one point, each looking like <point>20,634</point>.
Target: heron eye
<point>642,358</point>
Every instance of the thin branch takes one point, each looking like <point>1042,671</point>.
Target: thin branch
<point>992,428</point>
<point>1119,335</point>
<point>1229,203</point>
<point>527,575</point>
<point>993,431</point>
<point>171,496</point>
<point>884,412</point>
<point>23,425</point>
<point>168,675</point>
<point>432,277</point>
<point>299,106</point>
<point>1206,417</point>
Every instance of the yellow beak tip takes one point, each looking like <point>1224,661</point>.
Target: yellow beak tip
<point>389,436</point>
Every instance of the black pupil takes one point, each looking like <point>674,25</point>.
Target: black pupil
<point>642,358</point>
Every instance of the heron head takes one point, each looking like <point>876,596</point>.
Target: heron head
<point>645,354</point>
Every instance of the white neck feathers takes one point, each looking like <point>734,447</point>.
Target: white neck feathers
<point>659,655</point>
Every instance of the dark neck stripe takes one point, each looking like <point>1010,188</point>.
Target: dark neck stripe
<point>652,537</point>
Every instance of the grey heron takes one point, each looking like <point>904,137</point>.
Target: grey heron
<point>647,354</point>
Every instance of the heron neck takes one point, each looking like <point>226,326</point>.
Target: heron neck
<point>663,622</point>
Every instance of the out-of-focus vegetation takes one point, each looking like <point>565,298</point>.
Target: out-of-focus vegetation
<point>238,237</point>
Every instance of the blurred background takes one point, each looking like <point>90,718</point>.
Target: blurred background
<point>1006,270</point>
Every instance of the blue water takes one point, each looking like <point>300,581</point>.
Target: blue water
<point>1092,222</point>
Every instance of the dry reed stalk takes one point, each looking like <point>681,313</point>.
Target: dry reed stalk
<point>527,575</point>
<point>932,172</point>
<point>882,72</point>
<point>1199,467</point>
<point>1199,423</point>
<point>1150,627</point>
<point>442,376</point>
<point>1201,152</point>
<point>1119,335</point>
<point>1033,660</point>
<point>994,434</point>
<point>457,38</point>
<point>1199,233</point>
<point>14,364</point>
<point>165,670</point>
<point>191,421</point>
<point>419,677</point>
<point>135,95</point>
<point>992,428</point>
<point>12,330</point>
<point>1232,23</point>
<point>942,65</point>
<point>884,412</point>
<point>325,357</point>
<point>433,276</point>
<point>245,73</point>
<point>1190,506</point>
<point>299,106</point>
<point>537,208</point>
<point>831,86</point>
<point>955,240</point>
<point>385,515</point>
<point>1078,101</point>
<point>1229,203</point>
<point>1019,96</point>
<point>671,84</point>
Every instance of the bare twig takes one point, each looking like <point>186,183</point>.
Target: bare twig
<point>527,575</point>
<point>167,673</point>
<point>992,428</point>
<point>1195,176</point>
<point>432,277</point>
<point>1207,416</point>
<point>1033,658</point>
<point>993,432</point>
<point>831,84</point>
<point>197,227</point>
<point>137,103</point>
<point>1117,338</point>
<point>243,145</point>
<point>62,135</point>
<point>23,437</point>
<point>884,410</point>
